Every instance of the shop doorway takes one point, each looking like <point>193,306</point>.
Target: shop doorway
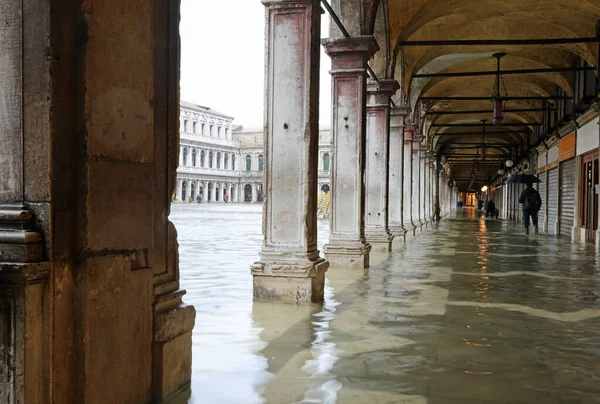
<point>589,196</point>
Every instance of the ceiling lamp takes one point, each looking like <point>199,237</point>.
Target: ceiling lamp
<point>485,188</point>
<point>501,171</point>
<point>497,99</point>
<point>509,163</point>
<point>483,150</point>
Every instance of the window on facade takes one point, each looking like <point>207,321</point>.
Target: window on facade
<point>185,125</point>
<point>194,157</point>
<point>248,162</point>
<point>260,162</point>
<point>211,130</point>
<point>326,162</point>
<point>193,127</point>
<point>226,165</point>
<point>233,162</point>
<point>218,160</point>
<point>210,160</point>
<point>202,129</point>
<point>185,156</point>
<point>202,158</point>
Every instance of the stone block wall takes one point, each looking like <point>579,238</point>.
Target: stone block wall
<point>90,116</point>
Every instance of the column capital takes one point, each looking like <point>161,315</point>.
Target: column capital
<point>350,53</point>
<point>380,92</point>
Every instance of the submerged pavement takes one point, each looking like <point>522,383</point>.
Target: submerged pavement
<point>469,311</point>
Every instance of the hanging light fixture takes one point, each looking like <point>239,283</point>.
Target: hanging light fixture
<point>483,149</point>
<point>497,99</point>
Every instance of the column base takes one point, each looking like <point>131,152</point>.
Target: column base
<point>399,233</point>
<point>294,281</point>
<point>172,347</point>
<point>381,241</point>
<point>348,255</point>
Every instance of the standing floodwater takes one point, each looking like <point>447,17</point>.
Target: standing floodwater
<point>471,311</point>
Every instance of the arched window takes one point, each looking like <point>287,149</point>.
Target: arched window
<point>219,160</point>
<point>184,191</point>
<point>185,125</point>
<point>185,156</point>
<point>260,162</point>
<point>326,162</point>
<point>194,127</point>
<point>194,158</point>
<point>248,162</point>
<point>210,159</point>
<point>226,165</point>
<point>233,162</point>
<point>202,158</point>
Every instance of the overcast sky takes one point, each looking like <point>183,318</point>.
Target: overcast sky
<point>222,59</point>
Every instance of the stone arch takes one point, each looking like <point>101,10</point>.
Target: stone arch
<point>247,193</point>
<point>184,191</point>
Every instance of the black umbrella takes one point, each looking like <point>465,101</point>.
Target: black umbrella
<point>522,179</point>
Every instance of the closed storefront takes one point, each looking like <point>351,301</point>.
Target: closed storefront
<point>542,190</point>
<point>553,187</point>
<point>567,196</point>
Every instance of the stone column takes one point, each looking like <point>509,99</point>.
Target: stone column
<point>254,193</point>
<point>416,183</point>
<point>349,56</point>
<point>409,220</point>
<point>377,232</point>
<point>213,192</point>
<point>178,190</point>
<point>290,266</point>
<point>396,173</point>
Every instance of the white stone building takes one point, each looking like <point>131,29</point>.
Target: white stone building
<point>218,160</point>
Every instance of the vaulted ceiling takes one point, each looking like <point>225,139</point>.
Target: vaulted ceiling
<point>394,22</point>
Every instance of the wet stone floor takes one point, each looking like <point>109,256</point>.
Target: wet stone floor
<point>470,311</point>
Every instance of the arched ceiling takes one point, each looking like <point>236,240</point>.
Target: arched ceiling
<point>432,20</point>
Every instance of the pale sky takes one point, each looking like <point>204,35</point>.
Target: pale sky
<point>222,59</point>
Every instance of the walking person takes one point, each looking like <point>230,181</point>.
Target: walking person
<point>532,202</point>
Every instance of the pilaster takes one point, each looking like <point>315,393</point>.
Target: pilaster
<point>377,230</point>
<point>290,267</point>
<point>349,56</point>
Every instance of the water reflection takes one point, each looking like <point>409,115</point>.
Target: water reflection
<point>469,311</point>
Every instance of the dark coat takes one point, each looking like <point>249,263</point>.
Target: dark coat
<point>536,196</point>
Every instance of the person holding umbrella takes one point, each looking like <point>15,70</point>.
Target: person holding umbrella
<point>532,202</point>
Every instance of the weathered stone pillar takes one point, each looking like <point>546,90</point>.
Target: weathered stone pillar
<point>349,56</point>
<point>408,222</point>
<point>417,194</point>
<point>290,266</point>
<point>396,173</point>
<point>89,278</point>
<point>377,230</point>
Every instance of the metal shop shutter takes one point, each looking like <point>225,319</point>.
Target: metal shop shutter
<point>553,187</point>
<point>567,196</point>
<point>541,187</point>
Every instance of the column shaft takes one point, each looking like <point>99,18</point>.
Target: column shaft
<point>347,244</point>
<point>377,164</point>
<point>290,266</point>
<point>408,223</point>
<point>396,173</point>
